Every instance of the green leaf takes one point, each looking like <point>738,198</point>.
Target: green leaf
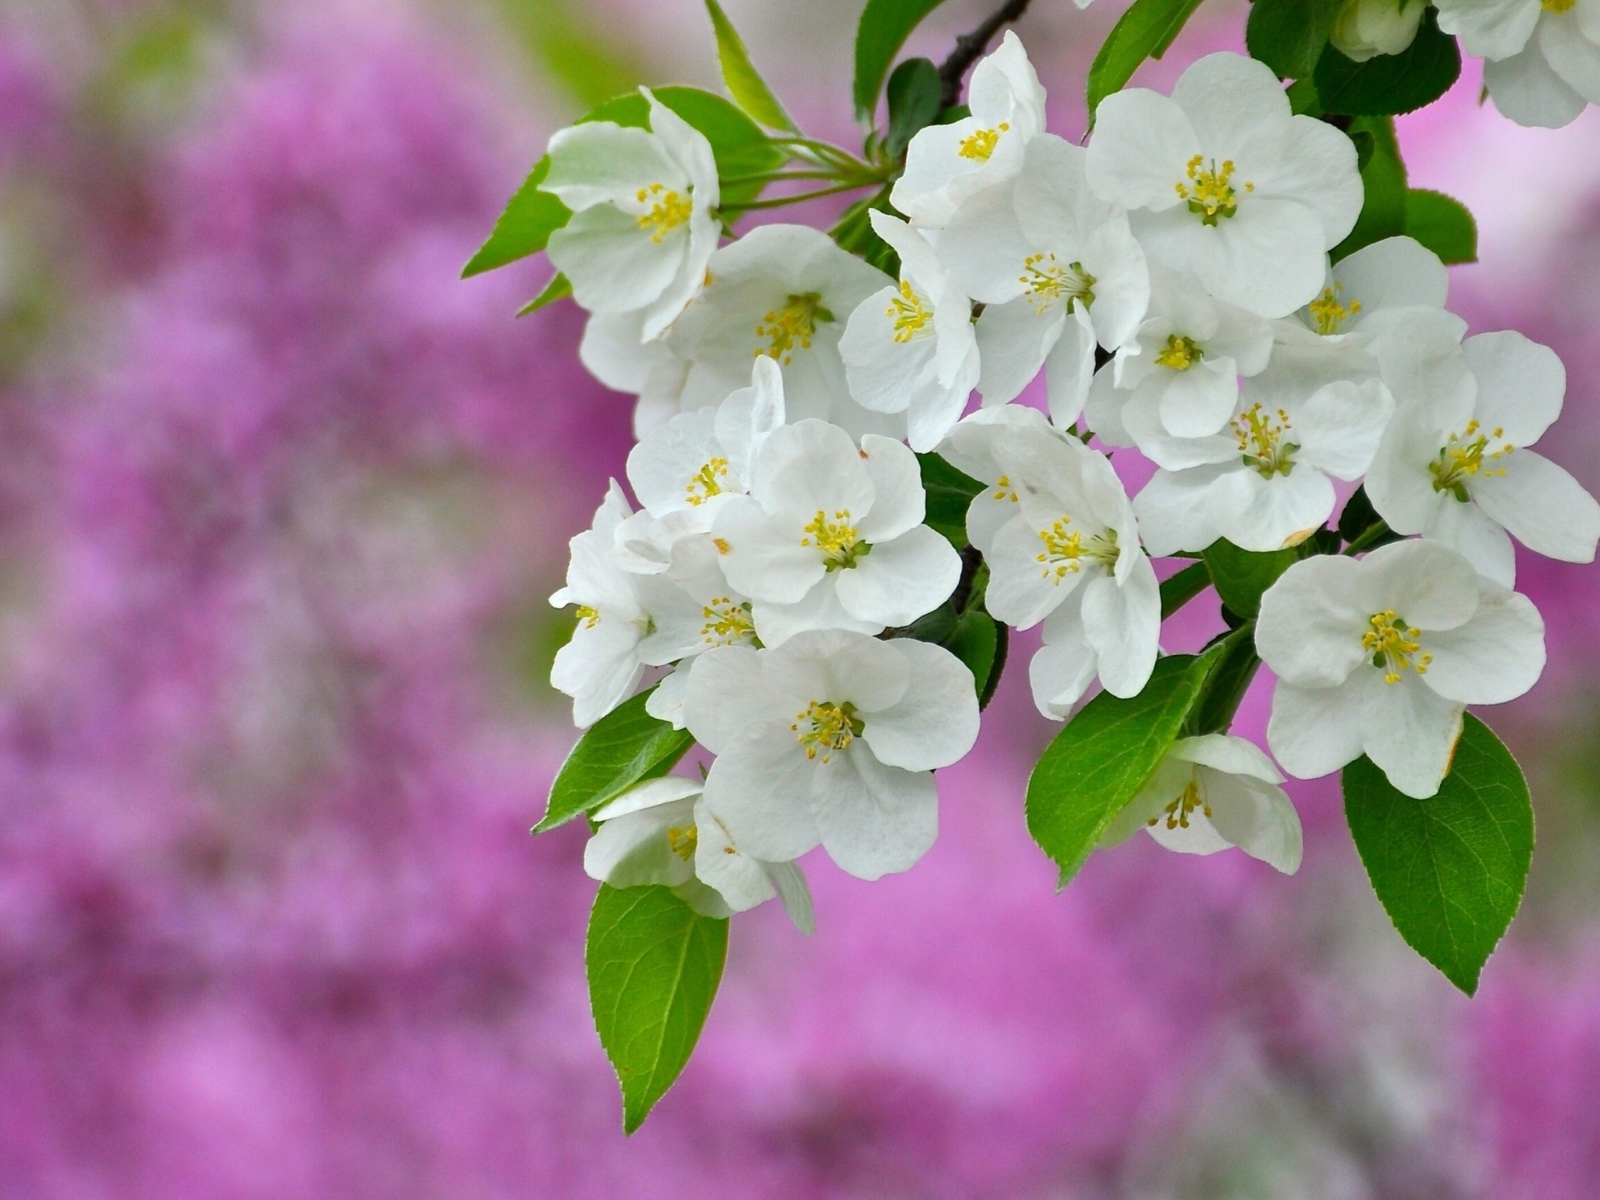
<point>1383,179</point>
<point>1145,31</point>
<point>558,288</point>
<point>653,965</point>
<point>884,27</point>
<point>914,91</point>
<point>949,493</point>
<point>1227,684</point>
<point>525,226</point>
<point>1104,756</point>
<point>1288,35</point>
<point>854,232</point>
<point>620,749</point>
<point>1390,83</point>
<point>1241,576</point>
<point>1442,224</point>
<point>1450,870</point>
<point>1183,587</point>
<point>971,636</point>
<point>744,82</point>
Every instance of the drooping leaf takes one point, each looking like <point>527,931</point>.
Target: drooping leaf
<point>1098,763</point>
<point>1383,180</point>
<point>1226,685</point>
<point>1442,224</point>
<point>1177,590</point>
<point>971,636</point>
<point>914,90</point>
<point>1390,83</point>
<point>1450,870</point>
<point>1288,35</point>
<point>653,965</point>
<point>1241,576</point>
<point>621,748</point>
<point>1145,31</point>
<point>854,232</point>
<point>949,493</point>
<point>884,27</point>
<point>558,288</point>
<point>744,82</point>
<point>523,228</point>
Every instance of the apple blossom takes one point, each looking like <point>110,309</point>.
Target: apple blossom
<point>974,447</point>
<point>1542,56</point>
<point>613,353</point>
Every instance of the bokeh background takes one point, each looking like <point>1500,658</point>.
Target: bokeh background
<point>281,500</point>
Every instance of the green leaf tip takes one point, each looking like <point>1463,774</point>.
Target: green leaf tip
<point>622,748</point>
<point>745,84</point>
<point>1145,31</point>
<point>883,29</point>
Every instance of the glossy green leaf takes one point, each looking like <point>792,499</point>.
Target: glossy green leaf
<point>1226,685</point>
<point>1145,31</point>
<point>1358,518</point>
<point>1388,84</point>
<point>1383,180</point>
<point>971,636</point>
<point>1177,590</point>
<point>1104,756</point>
<point>621,748</point>
<point>914,91</point>
<point>523,228</point>
<point>854,232</point>
<point>1450,870</point>
<point>884,27</point>
<point>558,288</point>
<point>1442,224</point>
<point>654,965</point>
<point>744,82</point>
<point>1241,576</point>
<point>1288,35</point>
<point>949,494</point>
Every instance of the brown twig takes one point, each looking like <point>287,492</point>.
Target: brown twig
<point>969,46</point>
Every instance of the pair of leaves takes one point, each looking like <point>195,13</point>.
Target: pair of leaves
<point>884,27</point>
<point>1450,870</point>
<point>622,748</point>
<point>1145,31</point>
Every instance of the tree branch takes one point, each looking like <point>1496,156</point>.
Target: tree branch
<point>969,46</point>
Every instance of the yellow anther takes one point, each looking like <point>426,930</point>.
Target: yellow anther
<point>825,727</point>
<point>668,210</point>
<point>1003,489</point>
<point>707,481</point>
<point>1465,455</point>
<point>1328,313</point>
<point>1210,192</point>
<point>838,540</point>
<point>910,315</point>
<point>1047,282</point>
<point>721,544</point>
<point>1064,552</point>
<point>1394,647</point>
<point>1180,353</point>
<point>1263,440</point>
<point>1557,6</point>
<point>792,326</point>
<point>727,623</point>
<point>589,616</point>
<point>683,841</point>
<point>1177,813</point>
<point>980,144</point>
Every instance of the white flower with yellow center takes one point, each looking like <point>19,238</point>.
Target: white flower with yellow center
<point>832,738</point>
<point>1225,182</point>
<point>911,348</point>
<point>644,219</point>
<point>947,164</point>
<point>1381,657</point>
<point>1453,465</point>
<point>831,536</point>
<point>1211,793</point>
<point>782,292</point>
<point>661,832</point>
<point>975,446</point>
<point>1365,29</point>
<point>611,351</point>
<point>1543,56</point>
<point>1058,271</point>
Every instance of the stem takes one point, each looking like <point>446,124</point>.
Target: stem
<point>780,201</point>
<point>1002,644</point>
<point>1366,537</point>
<point>825,151</point>
<point>969,46</point>
<point>778,176</point>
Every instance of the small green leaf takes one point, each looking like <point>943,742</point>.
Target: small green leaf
<point>1288,35</point>
<point>1227,684</point>
<point>621,748</point>
<point>884,27</point>
<point>744,82</point>
<point>1450,870</point>
<point>1145,31</point>
<point>525,226</point>
<point>1390,83</point>
<point>914,91</point>
<point>1179,589</point>
<point>949,493</point>
<point>558,288</point>
<point>1104,756</point>
<point>1383,179</point>
<point>971,636</point>
<point>1241,576</point>
<point>654,965</point>
<point>1442,224</point>
<point>854,232</point>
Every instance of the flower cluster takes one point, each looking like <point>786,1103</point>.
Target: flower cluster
<point>1541,57</point>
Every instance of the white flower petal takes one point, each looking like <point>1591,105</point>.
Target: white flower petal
<point>599,162</point>
<point>1311,622</point>
<point>612,264</point>
<point>819,608</point>
<point>1521,385</point>
<point>652,793</point>
<point>1228,754</point>
<point>1542,506</point>
<point>1256,817</point>
<point>1316,730</point>
<point>935,721</point>
<point>1572,53</point>
<point>1430,585</point>
<point>840,666</point>
<point>635,850</point>
<point>1340,426</point>
<point>727,691</point>
<point>1473,534</point>
<point>1309,162</point>
<point>1173,513</point>
<point>1141,145</point>
<point>901,579</point>
<point>1022,590</point>
<point>1198,402</point>
<point>760,789</point>
<point>874,820</point>
<point>1123,625</point>
<point>812,466</point>
<point>1409,731</point>
<point>1014,339</point>
<point>764,558</point>
<point>898,502</point>
<point>1495,657</point>
<point>1491,29</point>
<point>1260,514</point>
<point>1270,256</point>
<point>741,881</point>
<point>790,883</point>
<point>1395,272</point>
<point>1527,90</point>
<point>1069,369</point>
<point>1229,98</point>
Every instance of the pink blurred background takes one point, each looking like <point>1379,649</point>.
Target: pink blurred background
<point>280,503</point>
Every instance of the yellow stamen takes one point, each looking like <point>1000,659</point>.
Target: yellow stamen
<point>1393,646</point>
<point>980,144</point>
<point>1180,353</point>
<point>707,481</point>
<point>589,616</point>
<point>1328,313</point>
<point>683,841</point>
<point>727,623</point>
<point>838,540</point>
<point>1003,489</point>
<point>827,727</point>
<point>1177,813</point>
<point>1063,552</point>
<point>792,326</point>
<point>1210,192</point>
<point>1262,440</point>
<point>721,544</point>
<point>668,210</point>
<point>1047,282</point>
<point>1557,6</point>
<point>1464,456</point>
<point>910,315</point>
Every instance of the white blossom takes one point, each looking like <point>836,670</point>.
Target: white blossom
<point>1365,29</point>
<point>661,832</point>
<point>975,448</point>
<point>613,352</point>
<point>644,221</point>
<point>1543,56</point>
<point>1210,793</point>
<point>1373,299</point>
<point>832,738</point>
<point>911,348</point>
<point>1453,465</point>
<point>1224,181</point>
<point>1381,657</point>
<point>831,536</point>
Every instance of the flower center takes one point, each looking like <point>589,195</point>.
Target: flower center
<point>728,623</point>
<point>1210,191</point>
<point>1557,6</point>
<point>1180,353</point>
<point>668,210</point>
<point>1463,456</point>
<point>825,727</point>
<point>910,314</point>
<point>1064,552</point>
<point>1393,646</point>
<point>838,540</point>
<point>1177,813</point>
<point>707,481</point>
<point>792,326</point>
<point>1047,282</point>
<point>980,144</point>
<point>683,841</point>
<point>1328,313</point>
<point>1263,442</point>
<point>589,616</point>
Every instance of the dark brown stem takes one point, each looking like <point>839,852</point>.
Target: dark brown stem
<point>968,48</point>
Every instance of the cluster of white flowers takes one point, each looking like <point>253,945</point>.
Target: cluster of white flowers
<point>1172,281</point>
<point>1541,57</point>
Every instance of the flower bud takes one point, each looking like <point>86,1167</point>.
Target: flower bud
<point>1365,29</point>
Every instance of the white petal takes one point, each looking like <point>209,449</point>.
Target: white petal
<point>812,466</point>
<point>1014,339</point>
<point>1227,99</point>
<point>1255,513</point>
<point>1103,406</point>
<point>1520,385</point>
<point>1495,657</point>
<point>1123,625</point>
<point>1256,817</point>
<point>652,793</point>
<point>1311,622</point>
<point>665,703</point>
<point>1571,53</point>
<point>897,498</point>
<point>634,850</point>
<point>727,692</point>
<point>1409,731</point>
<point>1270,258</point>
<point>665,466</point>
<point>1309,162</point>
<point>1492,29</point>
<point>1142,142</point>
<point>820,608</point>
<point>1430,585</point>
<point>1527,90</point>
<point>1069,369</point>
<point>1473,534</point>
<point>1172,511</point>
<point>1064,667</point>
<point>983,247</point>
<point>739,879</point>
<point>935,722</point>
<point>1313,731</point>
<point>840,666</point>
<point>760,789</point>
<point>1543,507</point>
<point>1166,783</point>
<point>599,162</point>
<point>874,820</point>
<point>1223,752</point>
<point>901,579</point>
<point>1023,591</point>
<point>1396,272</point>
<point>1398,481</point>
<point>1340,426</point>
<point>612,264</point>
<point>790,882</point>
<point>598,668</point>
<point>1197,402</point>
<point>764,558</point>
